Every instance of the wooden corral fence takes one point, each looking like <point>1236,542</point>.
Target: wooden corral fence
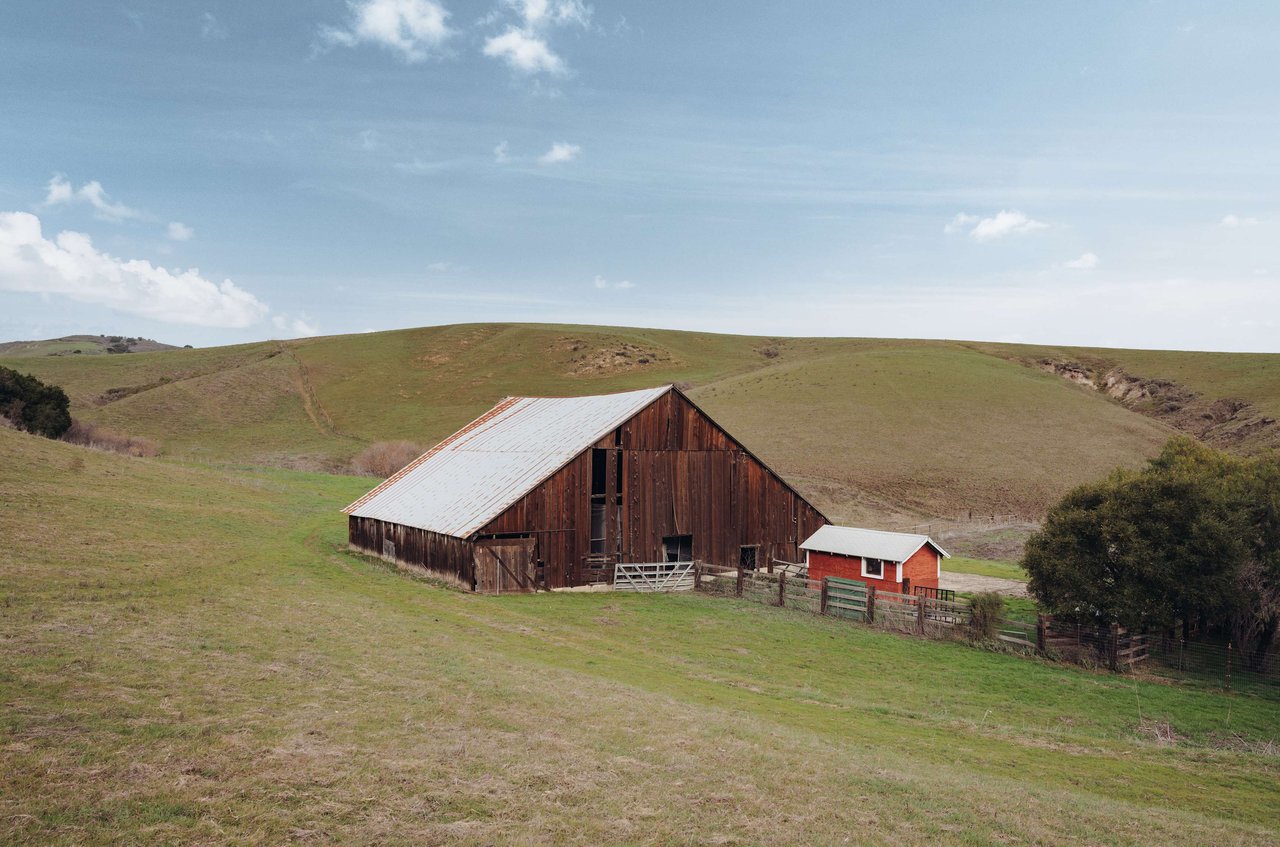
<point>653,576</point>
<point>1113,646</point>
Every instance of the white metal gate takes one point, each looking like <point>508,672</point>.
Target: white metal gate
<point>653,576</point>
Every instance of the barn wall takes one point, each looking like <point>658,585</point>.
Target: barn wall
<point>922,567</point>
<point>682,475</point>
<point>450,557</point>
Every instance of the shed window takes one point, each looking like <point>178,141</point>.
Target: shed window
<point>678,548</point>
<point>873,567</point>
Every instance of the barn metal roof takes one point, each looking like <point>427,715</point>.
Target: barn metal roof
<point>476,474</point>
<point>870,543</point>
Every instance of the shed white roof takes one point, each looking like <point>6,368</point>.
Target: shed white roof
<point>870,543</point>
<point>476,474</point>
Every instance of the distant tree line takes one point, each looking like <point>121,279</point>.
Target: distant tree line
<point>33,406</point>
<point>1191,539</point>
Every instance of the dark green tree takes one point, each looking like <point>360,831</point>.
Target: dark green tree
<point>32,405</point>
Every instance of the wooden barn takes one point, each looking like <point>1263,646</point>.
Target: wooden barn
<point>897,562</point>
<point>553,492</point>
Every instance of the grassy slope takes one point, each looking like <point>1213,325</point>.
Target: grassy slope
<point>191,656</point>
<point>867,427</point>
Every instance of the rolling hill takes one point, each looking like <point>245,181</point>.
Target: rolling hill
<point>890,430</point>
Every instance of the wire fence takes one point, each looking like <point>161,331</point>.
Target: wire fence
<point>926,614</point>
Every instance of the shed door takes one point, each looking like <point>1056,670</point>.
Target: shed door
<point>504,565</point>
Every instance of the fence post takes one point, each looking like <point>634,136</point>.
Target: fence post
<point>697,576</point>
<point>871,602</point>
<point>1040,633</point>
<point>737,590</point>
<point>822,598</point>
<point>920,601</point>
<point>782,588</point>
<point>1228,677</point>
<point>1113,659</point>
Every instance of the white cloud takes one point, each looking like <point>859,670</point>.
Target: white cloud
<point>70,266</point>
<point>299,327</point>
<point>525,52</point>
<point>178,231</point>
<point>370,140</point>
<point>1235,221</point>
<point>500,153</point>
<point>560,153</point>
<point>1086,262</point>
<point>415,29</point>
<point>60,191</point>
<point>211,29</point>
<point>602,283</point>
<point>1004,222</point>
<point>524,46</point>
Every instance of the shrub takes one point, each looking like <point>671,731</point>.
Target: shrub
<point>32,405</point>
<point>985,611</point>
<point>384,458</point>
<point>89,434</point>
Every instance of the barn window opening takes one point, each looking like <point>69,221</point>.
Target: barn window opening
<point>678,548</point>
<point>597,528</point>
<point>747,557</point>
<point>873,567</point>
<point>598,472</point>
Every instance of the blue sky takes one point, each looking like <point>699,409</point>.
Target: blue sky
<point>213,172</point>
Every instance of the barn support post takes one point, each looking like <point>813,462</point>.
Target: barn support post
<point>871,602</point>
<point>822,598</point>
<point>782,588</point>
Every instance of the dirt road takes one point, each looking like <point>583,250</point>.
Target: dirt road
<point>969,582</point>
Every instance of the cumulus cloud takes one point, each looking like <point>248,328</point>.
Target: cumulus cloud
<point>560,153</point>
<point>178,231</point>
<point>70,266</point>
<point>500,153</point>
<point>1086,262</point>
<point>524,52</point>
<point>1003,223</point>
<point>60,191</point>
<point>1235,221</point>
<point>524,45</point>
<point>414,29</point>
<point>299,327</point>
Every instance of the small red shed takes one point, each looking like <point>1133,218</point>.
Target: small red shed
<point>891,561</point>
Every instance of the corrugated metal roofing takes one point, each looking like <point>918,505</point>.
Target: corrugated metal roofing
<point>474,475</point>
<point>870,543</point>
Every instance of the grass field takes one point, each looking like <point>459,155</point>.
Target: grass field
<point>874,430</point>
<point>985,567</point>
<point>191,656</point>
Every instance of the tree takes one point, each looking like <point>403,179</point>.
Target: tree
<point>32,405</point>
<point>1194,536</point>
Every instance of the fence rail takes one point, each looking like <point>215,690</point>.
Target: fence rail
<point>924,613</point>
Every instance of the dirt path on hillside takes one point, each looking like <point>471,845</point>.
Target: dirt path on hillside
<point>968,582</point>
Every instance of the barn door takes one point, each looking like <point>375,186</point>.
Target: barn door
<point>504,565</point>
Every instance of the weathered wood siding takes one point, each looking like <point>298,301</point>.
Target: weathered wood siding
<point>445,555</point>
<point>681,475</point>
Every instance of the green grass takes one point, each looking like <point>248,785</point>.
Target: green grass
<point>191,656</point>
<point>985,567</point>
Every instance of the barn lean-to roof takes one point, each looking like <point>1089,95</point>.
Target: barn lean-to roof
<point>480,471</point>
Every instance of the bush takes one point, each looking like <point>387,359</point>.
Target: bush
<point>89,434</point>
<point>985,612</point>
<point>384,458</point>
<point>33,406</point>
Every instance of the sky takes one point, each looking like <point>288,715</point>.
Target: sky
<point>213,172</point>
